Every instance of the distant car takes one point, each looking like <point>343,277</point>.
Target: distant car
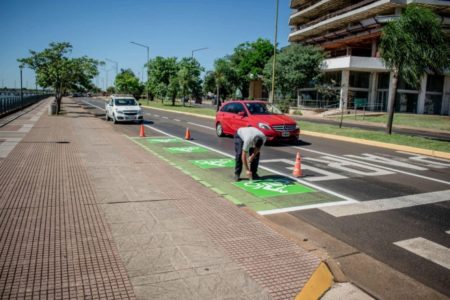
<point>123,109</point>
<point>236,114</point>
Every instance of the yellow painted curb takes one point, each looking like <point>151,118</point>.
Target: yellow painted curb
<point>438,154</point>
<point>320,282</point>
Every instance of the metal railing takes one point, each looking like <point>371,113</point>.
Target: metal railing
<point>9,104</point>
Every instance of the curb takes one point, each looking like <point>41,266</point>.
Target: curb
<point>320,282</point>
<point>437,154</point>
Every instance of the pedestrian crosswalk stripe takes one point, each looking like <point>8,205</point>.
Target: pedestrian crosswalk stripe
<point>427,249</point>
<point>387,204</point>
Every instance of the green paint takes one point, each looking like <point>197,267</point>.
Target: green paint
<point>190,149</point>
<point>162,140</point>
<point>273,187</point>
<point>213,163</point>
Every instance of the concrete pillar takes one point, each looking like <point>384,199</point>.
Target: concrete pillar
<point>445,108</point>
<point>391,90</point>
<point>373,88</point>
<point>344,89</point>
<point>374,48</point>
<point>422,95</point>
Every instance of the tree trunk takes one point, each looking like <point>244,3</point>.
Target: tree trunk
<point>218,99</point>
<point>391,102</point>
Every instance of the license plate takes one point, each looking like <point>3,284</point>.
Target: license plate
<point>285,134</point>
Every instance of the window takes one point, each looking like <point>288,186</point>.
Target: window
<point>239,108</point>
<point>123,102</point>
<point>227,108</point>
<point>359,79</point>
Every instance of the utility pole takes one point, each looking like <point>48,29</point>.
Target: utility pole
<point>148,58</point>
<point>21,88</point>
<point>272,98</point>
<point>195,50</point>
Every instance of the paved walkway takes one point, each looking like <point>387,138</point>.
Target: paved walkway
<point>86,213</point>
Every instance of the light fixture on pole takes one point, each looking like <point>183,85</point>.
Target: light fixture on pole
<point>195,50</point>
<point>148,58</point>
<point>271,99</point>
<point>114,62</point>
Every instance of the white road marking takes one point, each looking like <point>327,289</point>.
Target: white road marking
<point>350,167</point>
<point>165,117</point>
<point>427,249</point>
<point>387,204</point>
<point>200,125</point>
<point>345,198</point>
<point>429,161</point>
<point>386,161</point>
<point>447,232</point>
<point>176,120</point>
<point>156,116</point>
<point>326,174</point>
<point>85,102</point>
<point>377,166</point>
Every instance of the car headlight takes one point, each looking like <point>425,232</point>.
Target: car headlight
<point>264,126</point>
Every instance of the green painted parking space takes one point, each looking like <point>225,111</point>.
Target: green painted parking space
<point>215,171</point>
<point>189,149</point>
<point>213,163</point>
<point>163,140</point>
<point>273,187</point>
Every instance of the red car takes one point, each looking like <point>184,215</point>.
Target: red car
<point>233,115</point>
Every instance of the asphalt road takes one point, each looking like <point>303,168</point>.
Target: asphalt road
<point>412,234</point>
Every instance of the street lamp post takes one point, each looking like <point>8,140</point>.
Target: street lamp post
<point>271,99</point>
<point>21,88</point>
<point>195,50</point>
<point>148,58</point>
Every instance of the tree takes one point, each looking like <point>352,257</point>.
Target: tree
<point>296,66</point>
<point>127,83</point>
<point>226,79</point>
<point>55,70</point>
<point>111,90</point>
<point>161,72</point>
<point>189,78</point>
<point>248,60</point>
<point>410,46</point>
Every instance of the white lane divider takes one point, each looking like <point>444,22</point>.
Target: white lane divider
<point>176,120</point>
<point>429,250</point>
<point>165,117</point>
<point>387,204</point>
<point>203,126</point>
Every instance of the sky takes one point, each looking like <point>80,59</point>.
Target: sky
<point>104,29</point>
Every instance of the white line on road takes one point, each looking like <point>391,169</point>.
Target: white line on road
<point>176,120</point>
<point>387,204</point>
<point>447,232</point>
<point>164,117</point>
<point>85,102</point>
<point>427,249</point>
<point>200,125</point>
<point>373,165</point>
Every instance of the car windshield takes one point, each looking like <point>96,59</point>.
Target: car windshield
<point>262,109</point>
<point>125,102</point>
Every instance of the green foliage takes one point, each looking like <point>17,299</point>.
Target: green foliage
<point>111,90</point>
<point>249,59</point>
<point>127,83</point>
<point>161,71</point>
<point>54,69</point>
<point>296,66</point>
<point>415,43</point>
<point>189,78</point>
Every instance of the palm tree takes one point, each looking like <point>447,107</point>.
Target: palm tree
<point>410,46</point>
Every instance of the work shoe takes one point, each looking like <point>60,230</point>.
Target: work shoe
<point>236,178</point>
<point>256,176</point>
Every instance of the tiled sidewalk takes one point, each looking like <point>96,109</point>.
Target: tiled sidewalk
<point>65,206</point>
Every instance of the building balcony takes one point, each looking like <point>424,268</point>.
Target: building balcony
<point>314,9</point>
<point>342,18</point>
<point>354,63</point>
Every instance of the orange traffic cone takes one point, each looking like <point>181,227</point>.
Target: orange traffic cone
<point>298,166</point>
<point>142,131</point>
<point>187,136</point>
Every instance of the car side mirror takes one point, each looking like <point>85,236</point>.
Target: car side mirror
<point>241,113</point>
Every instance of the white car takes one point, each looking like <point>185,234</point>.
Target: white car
<point>123,109</point>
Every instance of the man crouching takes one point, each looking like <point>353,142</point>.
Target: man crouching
<point>247,145</point>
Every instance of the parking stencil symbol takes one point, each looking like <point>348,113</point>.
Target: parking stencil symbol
<point>192,149</point>
<point>273,187</point>
<point>213,163</point>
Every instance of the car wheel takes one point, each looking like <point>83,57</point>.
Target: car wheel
<point>219,130</point>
